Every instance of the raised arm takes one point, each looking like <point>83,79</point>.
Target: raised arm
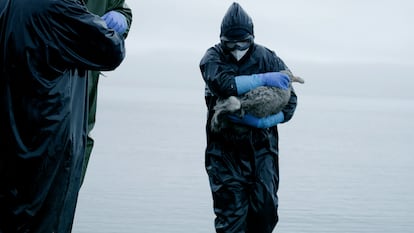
<point>82,39</point>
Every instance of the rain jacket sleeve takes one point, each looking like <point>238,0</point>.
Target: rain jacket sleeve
<point>218,75</point>
<point>102,50</point>
<point>290,108</point>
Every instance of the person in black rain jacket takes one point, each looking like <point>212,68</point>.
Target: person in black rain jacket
<point>46,47</point>
<point>243,169</point>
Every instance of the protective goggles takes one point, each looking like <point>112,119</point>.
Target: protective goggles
<point>237,44</point>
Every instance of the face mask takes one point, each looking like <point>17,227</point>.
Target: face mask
<point>239,54</point>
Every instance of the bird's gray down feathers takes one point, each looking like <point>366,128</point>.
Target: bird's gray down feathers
<point>260,102</point>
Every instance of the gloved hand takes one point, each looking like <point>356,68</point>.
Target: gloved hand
<point>247,119</point>
<point>256,122</point>
<point>246,83</point>
<point>115,20</point>
<point>275,79</point>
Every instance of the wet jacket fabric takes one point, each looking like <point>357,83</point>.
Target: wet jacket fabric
<point>45,49</point>
<point>100,7</point>
<point>243,169</point>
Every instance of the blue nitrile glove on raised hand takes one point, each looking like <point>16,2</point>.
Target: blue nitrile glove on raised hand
<point>246,83</point>
<point>256,122</point>
<point>115,20</point>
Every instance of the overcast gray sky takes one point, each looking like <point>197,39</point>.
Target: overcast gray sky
<point>317,30</point>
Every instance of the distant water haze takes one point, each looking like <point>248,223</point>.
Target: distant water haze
<point>346,160</point>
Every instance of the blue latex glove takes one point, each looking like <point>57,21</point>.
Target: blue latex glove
<point>115,20</point>
<point>256,122</point>
<point>275,79</point>
<point>246,83</point>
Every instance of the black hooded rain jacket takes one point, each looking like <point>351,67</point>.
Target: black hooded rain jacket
<point>45,48</point>
<point>243,169</point>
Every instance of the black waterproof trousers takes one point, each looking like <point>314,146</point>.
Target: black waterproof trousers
<point>244,178</point>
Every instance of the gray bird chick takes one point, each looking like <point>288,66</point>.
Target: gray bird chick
<point>260,102</point>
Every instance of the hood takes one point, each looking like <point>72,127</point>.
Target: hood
<point>236,23</point>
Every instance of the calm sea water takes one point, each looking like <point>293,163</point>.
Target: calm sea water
<point>346,159</point>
